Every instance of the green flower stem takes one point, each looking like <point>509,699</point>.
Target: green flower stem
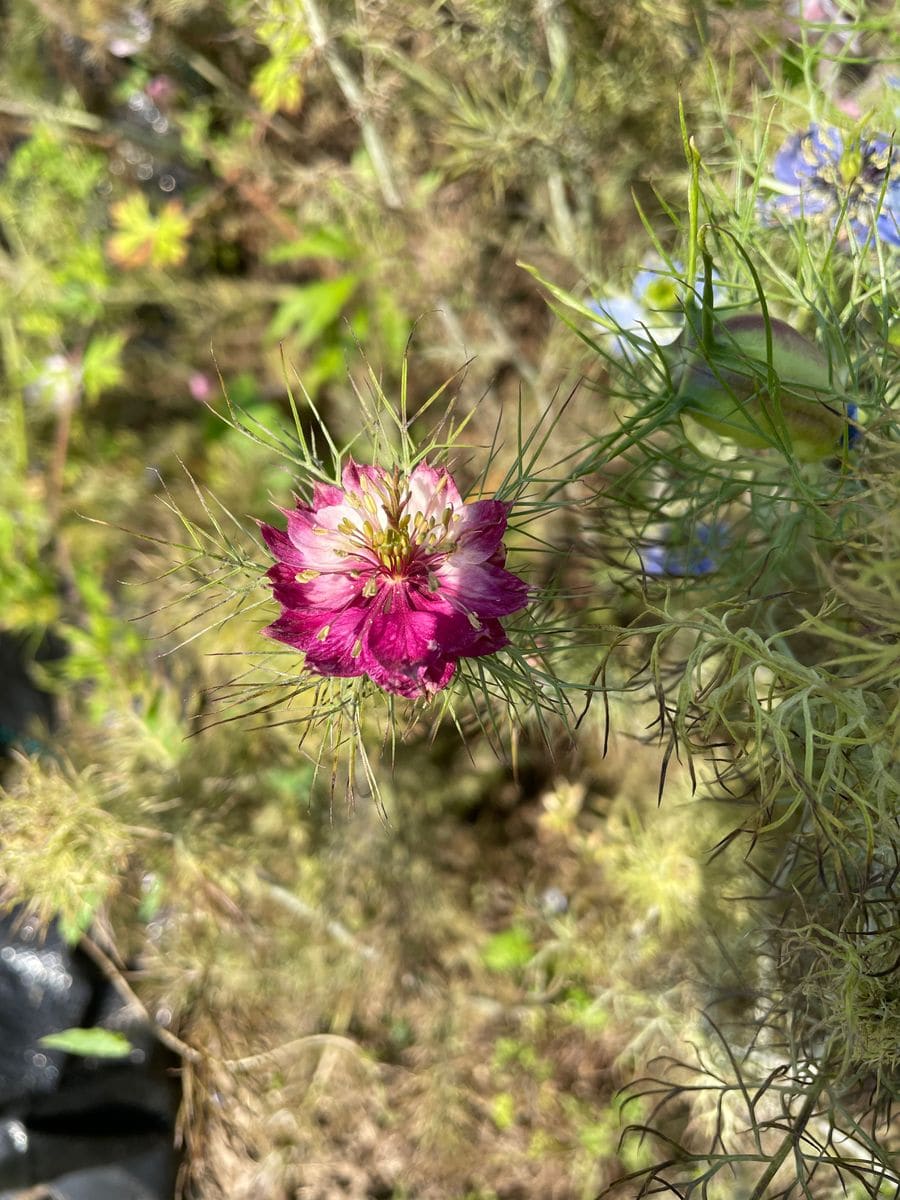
<point>791,1139</point>
<point>707,319</point>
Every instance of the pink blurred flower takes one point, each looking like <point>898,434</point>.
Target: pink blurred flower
<point>393,577</point>
<point>200,386</point>
<point>161,89</point>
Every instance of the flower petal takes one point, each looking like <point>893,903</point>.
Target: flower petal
<point>330,591</point>
<point>888,222</point>
<point>281,546</point>
<point>483,589</point>
<point>361,480</point>
<point>431,490</point>
<point>374,578</point>
<point>479,528</point>
<point>414,680</point>
<point>322,545</point>
<point>327,639</point>
<point>326,494</point>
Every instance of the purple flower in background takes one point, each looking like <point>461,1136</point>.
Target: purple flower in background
<point>394,577</point>
<point>700,557</point>
<point>819,10</point>
<point>162,90</point>
<point>830,181</point>
<point>827,19</point>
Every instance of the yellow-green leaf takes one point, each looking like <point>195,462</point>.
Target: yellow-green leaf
<point>88,1043</point>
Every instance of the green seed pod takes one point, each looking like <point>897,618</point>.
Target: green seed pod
<point>726,389</point>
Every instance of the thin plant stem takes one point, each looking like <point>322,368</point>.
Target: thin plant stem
<point>791,1138</point>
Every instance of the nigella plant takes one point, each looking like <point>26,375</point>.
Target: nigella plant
<point>739,503</point>
<point>842,183</point>
<point>395,607</point>
<point>393,577</point>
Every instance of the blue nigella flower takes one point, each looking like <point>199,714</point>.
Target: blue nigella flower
<point>700,557</point>
<point>828,180</point>
<point>631,317</point>
<point>854,429</point>
<point>652,313</point>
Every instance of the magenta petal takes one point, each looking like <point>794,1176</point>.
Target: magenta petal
<point>456,633</point>
<point>327,639</point>
<point>483,589</point>
<point>489,639</point>
<point>325,592</point>
<point>362,480</point>
<point>325,495</point>
<point>392,577</point>
<point>480,528</point>
<point>470,642</point>
<point>400,652</point>
<point>413,680</point>
<point>400,634</point>
<point>281,546</point>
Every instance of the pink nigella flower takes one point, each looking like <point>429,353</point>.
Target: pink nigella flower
<point>393,577</point>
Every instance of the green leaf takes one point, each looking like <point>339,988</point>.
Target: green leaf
<point>503,1110</point>
<point>73,924</point>
<point>145,239</point>
<point>313,307</point>
<point>327,241</point>
<point>278,86</point>
<point>509,950</point>
<point>393,324</point>
<point>89,1043</point>
<point>561,294</point>
<point>101,367</point>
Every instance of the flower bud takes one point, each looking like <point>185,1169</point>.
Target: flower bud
<point>726,389</point>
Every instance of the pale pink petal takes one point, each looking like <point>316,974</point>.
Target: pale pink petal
<point>316,535</point>
<point>325,592</point>
<point>431,491</point>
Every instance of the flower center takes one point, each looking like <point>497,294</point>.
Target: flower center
<point>392,544</point>
<point>850,165</point>
<point>402,541</point>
